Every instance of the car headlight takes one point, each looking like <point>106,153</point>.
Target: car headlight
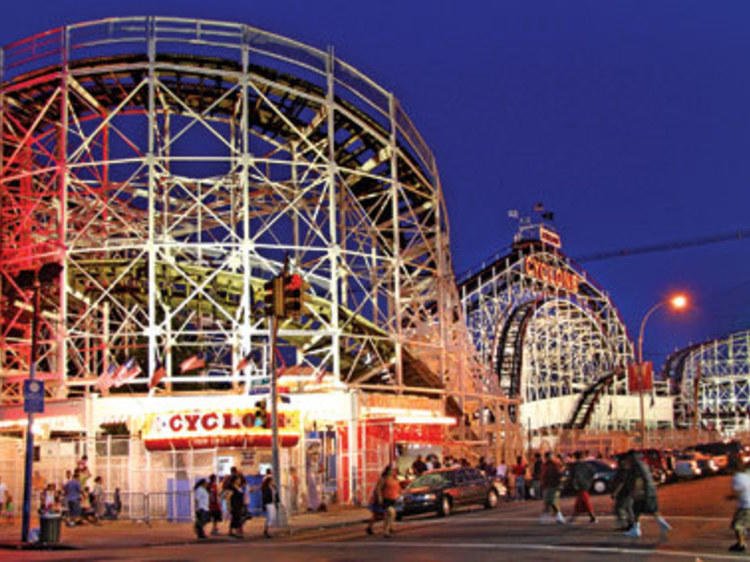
<point>429,496</point>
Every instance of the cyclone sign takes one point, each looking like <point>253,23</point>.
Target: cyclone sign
<point>209,429</point>
<point>552,275</point>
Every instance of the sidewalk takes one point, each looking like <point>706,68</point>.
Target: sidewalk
<point>127,533</point>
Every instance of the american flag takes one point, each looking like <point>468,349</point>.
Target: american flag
<point>127,372</point>
<point>159,374</point>
<point>246,361</point>
<point>192,363</point>
<point>107,379</point>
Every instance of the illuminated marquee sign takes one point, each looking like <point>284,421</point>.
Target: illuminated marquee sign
<point>208,429</point>
<point>549,237</point>
<point>552,275</point>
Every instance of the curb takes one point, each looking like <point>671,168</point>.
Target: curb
<point>180,542</point>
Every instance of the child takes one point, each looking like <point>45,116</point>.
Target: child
<point>9,509</point>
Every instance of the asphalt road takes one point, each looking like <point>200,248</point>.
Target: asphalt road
<point>697,510</point>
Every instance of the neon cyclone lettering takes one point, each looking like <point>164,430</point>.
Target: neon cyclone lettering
<point>555,276</point>
<point>187,423</point>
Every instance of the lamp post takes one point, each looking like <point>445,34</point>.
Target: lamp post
<point>677,302</point>
<point>33,279</point>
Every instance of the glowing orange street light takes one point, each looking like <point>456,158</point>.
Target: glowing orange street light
<point>677,302</point>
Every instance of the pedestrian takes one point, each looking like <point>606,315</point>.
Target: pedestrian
<point>644,496</point>
<point>236,507</point>
<point>376,506</point>
<point>97,494</point>
<point>214,506</point>
<point>519,477</point>
<point>8,509</point>
<point>418,466</point>
<point>227,488</point>
<point>551,481</point>
<point>72,491</point>
<point>3,491</point>
<point>582,477</point>
<point>741,491</point>
<point>536,477</point>
<point>391,492</point>
<point>622,494</point>
<point>201,499</point>
<point>270,499</point>
<point>82,468</point>
<point>293,490</point>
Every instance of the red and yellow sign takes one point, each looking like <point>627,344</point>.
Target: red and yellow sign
<point>552,275</point>
<point>207,429</point>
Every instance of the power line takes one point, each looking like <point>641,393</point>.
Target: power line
<point>665,246</point>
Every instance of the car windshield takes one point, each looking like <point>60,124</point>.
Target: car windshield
<point>432,480</point>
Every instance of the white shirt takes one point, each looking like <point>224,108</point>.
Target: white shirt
<point>201,498</point>
<point>3,491</point>
<point>741,486</point>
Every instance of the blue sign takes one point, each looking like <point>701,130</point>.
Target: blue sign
<point>33,396</point>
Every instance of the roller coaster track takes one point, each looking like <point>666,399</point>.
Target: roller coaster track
<point>590,398</point>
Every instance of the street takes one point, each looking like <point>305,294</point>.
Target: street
<point>697,510</point>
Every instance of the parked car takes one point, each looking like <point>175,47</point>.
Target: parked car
<point>708,465</point>
<point>721,451</point>
<point>686,466</point>
<point>444,489</point>
<point>603,474</point>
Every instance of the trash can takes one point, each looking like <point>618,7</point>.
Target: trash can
<point>49,532</point>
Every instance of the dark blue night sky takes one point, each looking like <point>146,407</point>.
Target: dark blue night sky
<point>629,120</point>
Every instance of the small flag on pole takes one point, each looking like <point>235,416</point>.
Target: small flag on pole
<point>246,361</point>
<point>539,207</point>
<point>106,379</point>
<point>513,213</point>
<point>192,363</point>
<point>159,374</point>
<point>132,370</point>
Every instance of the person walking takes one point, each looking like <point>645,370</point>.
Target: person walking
<point>72,491</point>
<point>622,494</point>
<point>376,506</point>
<point>582,477</point>
<point>391,492</point>
<point>270,499</point>
<point>740,491</point>
<point>200,497</point>
<point>519,476</point>
<point>214,505</point>
<point>644,496</point>
<point>551,481</point>
<point>236,507</point>
<point>536,477</point>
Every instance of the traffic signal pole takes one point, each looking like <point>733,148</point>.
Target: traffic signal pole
<point>275,465</point>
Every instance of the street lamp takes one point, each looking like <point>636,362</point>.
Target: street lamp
<point>33,279</point>
<point>677,302</point>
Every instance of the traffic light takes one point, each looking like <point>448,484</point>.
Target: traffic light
<point>274,297</point>
<point>293,295</point>
<point>261,414</point>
